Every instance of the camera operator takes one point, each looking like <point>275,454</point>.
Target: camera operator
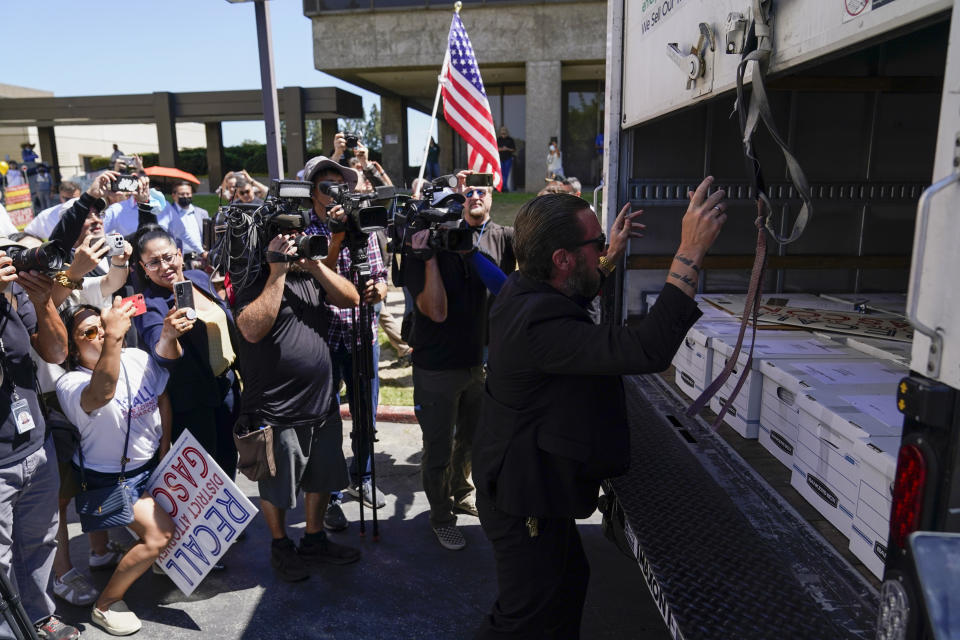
<point>29,479</point>
<point>373,174</point>
<point>448,337</point>
<point>554,419</point>
<point>285,366</point>
<point>341,320</point>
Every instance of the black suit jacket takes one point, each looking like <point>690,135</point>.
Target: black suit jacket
<point>554,422</point>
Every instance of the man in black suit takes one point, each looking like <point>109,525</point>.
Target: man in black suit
<point>554,420</point>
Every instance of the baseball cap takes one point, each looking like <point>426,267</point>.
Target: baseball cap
<point>321,163</point>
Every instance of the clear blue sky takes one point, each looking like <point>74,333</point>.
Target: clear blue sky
<point>113,47</point>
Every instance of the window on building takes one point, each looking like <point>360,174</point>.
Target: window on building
<point>582,131</point>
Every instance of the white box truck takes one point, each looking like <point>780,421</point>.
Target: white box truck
<point>865,94</point>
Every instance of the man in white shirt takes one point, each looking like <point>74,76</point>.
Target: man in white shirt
<point>184,221</point>
<point>44,222</point>
<point>124,217</point>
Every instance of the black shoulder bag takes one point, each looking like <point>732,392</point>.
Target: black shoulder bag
<point>111,506</point>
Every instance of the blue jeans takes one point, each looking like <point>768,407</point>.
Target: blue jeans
<point>505,166</point>
<point>28,529</point>
<point>342,361</point>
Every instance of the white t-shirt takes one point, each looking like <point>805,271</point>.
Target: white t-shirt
<point>102,431</point>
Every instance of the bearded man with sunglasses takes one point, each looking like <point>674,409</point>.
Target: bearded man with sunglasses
<point>554,419</point>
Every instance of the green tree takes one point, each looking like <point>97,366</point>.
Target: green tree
<point>367,128</point>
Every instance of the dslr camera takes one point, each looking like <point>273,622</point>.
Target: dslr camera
<point>48,258</point>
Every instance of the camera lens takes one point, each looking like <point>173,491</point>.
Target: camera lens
<point>312,247</point>
<point>47,258</point>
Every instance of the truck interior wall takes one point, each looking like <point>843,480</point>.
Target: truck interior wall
<point>867,117</point>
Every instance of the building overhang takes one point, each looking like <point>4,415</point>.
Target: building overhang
<point>318,103</point>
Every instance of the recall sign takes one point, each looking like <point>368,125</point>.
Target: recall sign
<point>208,510</point>
<point>876,325</point>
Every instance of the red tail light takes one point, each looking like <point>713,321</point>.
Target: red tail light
<point>907,494</point>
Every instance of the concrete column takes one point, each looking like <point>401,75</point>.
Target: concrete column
<point>393,126</point>
<point>543,119</point>
<point>328,129</point>
<point>215,159</point>
<point>48,152</point>
<point>292,98</point>
<point>166,127</point>
<point>447,142</point>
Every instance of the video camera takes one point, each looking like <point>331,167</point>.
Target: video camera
<point>439,210</point>
<point>243,231</point>
<point>365,213</point>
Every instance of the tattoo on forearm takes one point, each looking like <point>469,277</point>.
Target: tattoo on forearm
<point>690,282</point>
<point>687,261</point>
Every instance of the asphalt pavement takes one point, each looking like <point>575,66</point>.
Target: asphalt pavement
<point>405,586</point>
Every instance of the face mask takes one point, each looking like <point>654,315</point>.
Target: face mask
<point>184,201</point>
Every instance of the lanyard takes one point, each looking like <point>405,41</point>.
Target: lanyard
<point>5,377</point>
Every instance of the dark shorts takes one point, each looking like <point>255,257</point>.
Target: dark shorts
<point>308,458</point>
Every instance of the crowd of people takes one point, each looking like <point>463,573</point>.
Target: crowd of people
<point>121,370</point>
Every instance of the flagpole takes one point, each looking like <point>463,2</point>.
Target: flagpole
<point>436,104</point>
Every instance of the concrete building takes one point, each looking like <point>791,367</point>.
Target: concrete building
<point>77,143</point>
<point>542,63</point>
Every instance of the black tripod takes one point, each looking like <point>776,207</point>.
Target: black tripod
<point>12,611</point>
<point>364,370</point>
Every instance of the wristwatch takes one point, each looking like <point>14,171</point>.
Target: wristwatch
<point>62,279</point>
<point>606,266</point>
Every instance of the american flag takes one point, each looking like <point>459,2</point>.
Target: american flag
<point>465,104</point>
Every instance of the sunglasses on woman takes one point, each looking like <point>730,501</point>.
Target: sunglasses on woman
<point>91,333</point>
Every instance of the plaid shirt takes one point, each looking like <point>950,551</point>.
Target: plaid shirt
<point>340,321</point>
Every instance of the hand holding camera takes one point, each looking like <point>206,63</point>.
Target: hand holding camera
<point>87,256</point>
<point>102,183</point>
<point>339,146</point>
<point>8,273</point>
<point>175,324</point>
<point>116,318</point>
<point>282,245</point>
<point>143,190</point>
<point>37,285</point>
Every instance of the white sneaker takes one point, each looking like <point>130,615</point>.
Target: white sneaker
<point>117,620</point>
<point>450,537</point>
<point>108,560</point>
<point>75,588</point>
<point>354,491</point>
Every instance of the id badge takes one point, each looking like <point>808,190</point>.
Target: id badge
<point>22,415</point>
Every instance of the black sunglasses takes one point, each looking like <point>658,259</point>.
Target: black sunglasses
<point>600,241</point>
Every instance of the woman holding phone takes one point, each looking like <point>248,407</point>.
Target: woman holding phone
<point>116,399</point>
<point>204,388</point>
